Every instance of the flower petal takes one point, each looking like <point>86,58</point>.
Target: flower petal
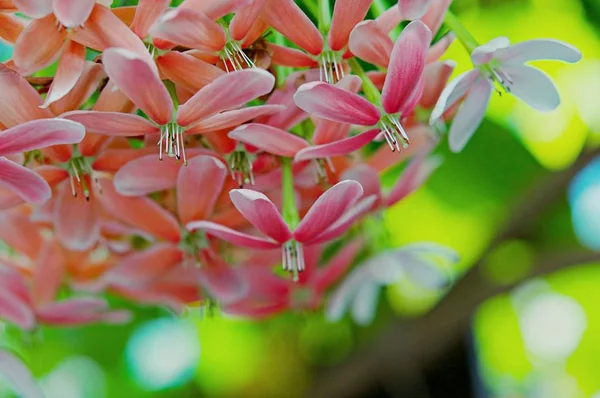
<point>187,71</point>
<point>138,81</point>
<point>285,56</point>
<point>19,377</point>
<point>24,182</point>
<point>484,53</point>
<point>73,13</point>
<point>533,86</point>
<point>327,209</point>
<point>112,123</point>
<point>366,176</point>
<point>337,266</point>
<point>146,14</point>
<point>436,77</point>
<point>68,71</point>
<point>91,76</point>
<point>191,29</point>
<point>469,115</point>
<point>222,281</point>
<point>288,19</point>
<point>364,305</point>
<point>415,174</point>
<point>346,14</point>
<point>434,16</point>
<point>47,274</point>
<point>261,212</point>
<point>40,134</point>
<point>269,139</point>
<point>145,175</point>
<point>333,103</point>
<point>10,27</point>
<point>15,310</point>
<point>244,19</point>
<point>531,50</point>
<point>229,119</point>
<point>218,96</point>
<point>406,66</point>
<point>38,46</point>
<point>452,93</point>
<point>199,185</point>
<point>80,311</point>
<point>34,8</point>
<point>370,43</point>
<point>337,148</point>
<point>413,9</point>
<point>215,9</point>
<point>232,236</point>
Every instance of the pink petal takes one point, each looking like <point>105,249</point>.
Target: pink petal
<point>337,148</point>
<point>327,131</point>
<point>146,14</point>
<point>371,43</point>
<point>415,174</point>
<point>469,115</point>
<point>337,266</point>
<point>138,81</point>
<point>406,66</point>
<point>191,29</point>
<point>141,213</point>
<point>112,123</point>
<point>199,185</point>
<point>346,14</point>
<point>244,19</point>
<point>439,48</point>
<point>215,9</point>
<point>47,274</point>
<point>453,92</point>
<point>34,8</point>
<point>261,213</point>
<point>269,139</point>
<point>232,236</point>
<point>436,77</point>
<point>76,220</point>
<point>345,221</point>
<point>24,182</point>
<point>434,16</point>
<point>40,134</point>
<point>288,19</point>
<point>187,71</point>
<point>285,56</point>
<point>90,78</point>
<point>218,96</point>
<point>11,27</point>
<point>145,175</point>
<point>15,310</point>
<point>229,119</point>
<point>366,176</point>
<point>38,46</point>
<point>80,311</point>
<point>70,68</point>
<point>145,266</point>
<point>18,375</point>
<point>333,103</point>
<point>389,19</point>
<point>413,9</point>
<point>328,208</point>
<point>222,281</point>
<point>73,13</point>
<point>19,234</point>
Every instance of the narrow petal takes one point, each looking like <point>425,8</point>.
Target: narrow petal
<point>288,19</point>
<point>34,8</point>
<point>145,266</point>
<point>413,9</point>
<point>145,175</point>
<point>389,19</point>
<point>346,14</point>
<point>531,50</point>
<point>415,175</point>
<point>187,71</point>
<point>469,115</point>
<point>47,274</point>
<point>80,311</point>
<point>111,99</point>
<point>77,220</point>
<point>223,282</point>
<point>24,182</point>
<point>333,103</point>
<point>484,53</point>
<point>138,81</point>
<point>229,119</point>
<point>439,48</point>
<point>73,13</point>
<point>146,14</point>
<point>90,78</point>
<point>269,139</point>
<point>434,16</point>
<point>261,212</point>
<point>337,266</point>
<point>18,234</point>
<point>232,236</point>
<point>199,185</point>
<point>328,208</point>
<point>40,134</point>
<point>13,309</point>
<point>366,176</point>
<point>112,123</point>
<point>191,29</point>
<point>10,27</point>
<point>70,68</point>
<point>38,46</point>
<point>342,297</point>
<point>406,66</point>
<point>337,148</point>
<point>452,93</point>
<point>364,305</point>
<point>244,19</point>
<point>371,43</point>
<point>215,9</point>
<point>327,131</point>
<point>436,77</point>
<point>141,213</point>
<point>19,377</point>
<point>533,86</point>
<point>285,56</point>
<point>218,95</point>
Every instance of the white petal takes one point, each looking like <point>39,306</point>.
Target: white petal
<point>340,299</point>
<point>483,54</point>
<point>365,303</point>
<point>452,93</point>
<point>532,50</point>
<point>534,87</point>
<point>470,115</point>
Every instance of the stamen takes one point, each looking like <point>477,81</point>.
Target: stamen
<point>330,67</point>
<point>293,258</point>
<point>394,133</point>
<point>241,167</point>
<point>232,54</point>
<point>172,142</point>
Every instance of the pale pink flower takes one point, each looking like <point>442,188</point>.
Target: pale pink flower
<point>18,376</point>
<point>499,62</point>
<point>413,9</point>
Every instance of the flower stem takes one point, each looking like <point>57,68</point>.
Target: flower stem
<point>289,207</point>
<point>371,92</point>
<point>324,16</point>
<point>467,40</point>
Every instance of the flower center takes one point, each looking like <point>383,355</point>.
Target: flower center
<point>292,258</point>
<point>194,245</point>
<point>497,75</point>
<point>319,169</point>
<point>172,142</point>
<point>330,67</point>
<point>241,168</point>
<point>79,170</point>
<point>234,58</point>
<point>394,133</point>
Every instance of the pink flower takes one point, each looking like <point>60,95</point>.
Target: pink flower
<point>401,91</point>
<point>413,9</point>
<point>329,217</point>
<point>499,62</point>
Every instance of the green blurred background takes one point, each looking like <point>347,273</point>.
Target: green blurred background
<point>538,339</point>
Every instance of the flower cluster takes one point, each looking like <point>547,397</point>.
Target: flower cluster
<point>227,151</point>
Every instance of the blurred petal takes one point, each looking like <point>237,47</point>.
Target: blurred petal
<point>366,176</point>
<point>365,303</point>
<point>24,182</point>
<point>73,13</point>
<point>413,9</point>
<point>145,266</point>
<point>10,27</point>
<point>232,236</point>
<point>47,274</point>
<point>145,175</point>
<point>34,8</point>
<point>370,43</point>
<point>13,309</point>
<point>337,148</point>
<point>415,174</point>
<point>337,266</point>
<point>68,71</point>
<point>269,139</point>
<point>19,377</point>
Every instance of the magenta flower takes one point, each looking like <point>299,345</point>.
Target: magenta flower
<point>499,62</point>
<point>401,91</point>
